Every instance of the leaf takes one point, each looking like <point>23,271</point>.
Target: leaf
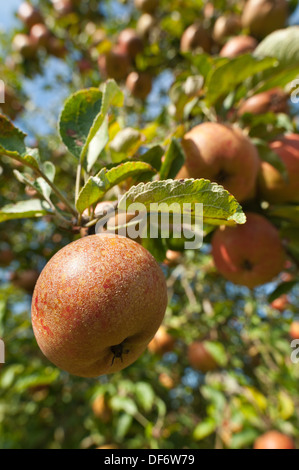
<point>97,186</point>
<point>281,289</point>
<point>268,155</point>
<point>12,144</point>
<point>125,404</point>
<point>282,44</point>
<point>77,119</point>
<point>97,144</point>
<point>225,78</point>
<point>285,211</point>
<point>280,79</point>
<point>36,379</point>
<point>219,207</point>
<point>124,423</point>
<point>125,144</point>
<point>217,350</point>
<point>49,170</point>
<point>145,395</point>
<point>24,209</point>
<point>156,247</point>
<point>174,160</point>
<point>243,438</point>
<point>153,156</point>
<point>286,405</point>
<point>204,429</point>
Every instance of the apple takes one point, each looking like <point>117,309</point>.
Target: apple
<point>272,185</point>
<point>24,45</point>
<point>101,409</point>
<point>12,105</point>
<point>250,254</point>
<point>162,342</point>
<point>274,100</point>
<point>294,330</point>
<point>130,43</point>
<point>56,47</point>
<point>97,304</point>
<point>200,358</point>
<point>145,25</point>
<point>238,45</point>
<point>274,440</point>
<point>25,280</point>
<point>166,380</point>
<point>6,257</point>
<point>222,154</point>
<point>63,7</point>
<point>225,26</point>
<point>147,6</point>
<point>172,258</point>
<point>261,17</point>
<point>114,64</point>
<point>280,303</point>
<point>29,15</point>
<point>40,34</point>
<point>195,37</point>
<point>139,84</point>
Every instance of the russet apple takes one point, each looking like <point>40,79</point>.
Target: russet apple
<point>97,304</point>
<point>225,26</point>
<point>147,6</point>
<point>114,64</point>
<point>261,17</point>
<point>139,84</point>
<point>238,45</point>
<point>274,100</point>
<point>250,254</point>
<point>29,15</point>
<point>195,37</point>
<point>200,358</point>
<point>222,154</point>
<point>273,187</point>
<point>162,342</point>
<point>130,43</point>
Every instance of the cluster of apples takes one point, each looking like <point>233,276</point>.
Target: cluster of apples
<point>250,254</point>
<point>259,18</point>
<point>36,36</point>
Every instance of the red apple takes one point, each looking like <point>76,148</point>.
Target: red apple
<point>275,101</point>
<point>274,440</point>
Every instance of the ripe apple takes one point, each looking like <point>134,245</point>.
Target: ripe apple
<point>97,304</point>
<point>147,6</point>
<point>275,101</point>
<point>145,25</point>
<point>101,409</point>
<point>294,330</point>
<point>139,84</point>
<point>130,43</point>
<point>249,254</point>
<point>200,358</point>
<point>238,45</point>
<point>222,154</point>
<point>225,26</point>
<point>195,37</point>
<point>261,17</point>
<point>6,257</point>
<point>40,34</point>
<point>166,380</point>
<point>24,45</point>
<point>172,258</point>
<point>12,106</point>
<point>25,280</point>
<point>63,7</point>
<point>114,64</point>
<point>162,342</point>
<point>274,440</point>
<point>29,15</point>
<point>280,303</point>
<point>272,186</point>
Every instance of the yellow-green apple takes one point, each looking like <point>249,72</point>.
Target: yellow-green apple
<point>261,17</point>
<point>274,440</point>
<point>97,304</point>
<point>222,154</point>
<point>195,37</point>
<point>250,254</point>
<point>200,358</point>
<point>238,45</point>
<point>273,187</point>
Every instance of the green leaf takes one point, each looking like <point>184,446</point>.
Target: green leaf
<point>24,209</point>
<point>40,185</point>
<point>225,78</point>
<point>145,395</point>
<point>268,155</point>
<point>282,44</point>
<point>204,429</point>
<point>281,289</point>
<point>243,438</point>
<point>125,144</point>
<point>124,423</point>
<point>287,212</point>
<point>219,207</point>
<point>36,379</point>
<point>123,404</point>
<point>97,144</point>
<point>174,160</point>
<point>217,350</point>
<point>153,156</point>
<point>97,186</point>
<point>280,79</point>
<point>78,118</point>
